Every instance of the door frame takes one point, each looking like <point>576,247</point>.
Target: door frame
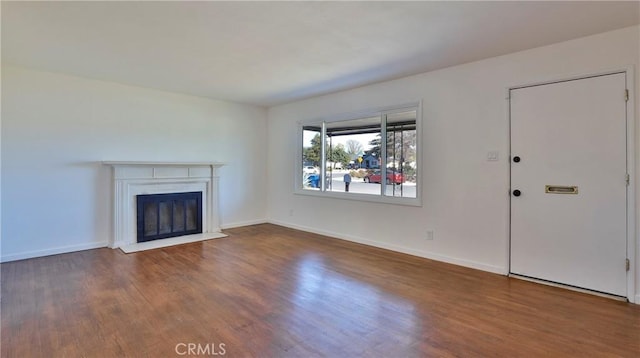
<point>632,235</point>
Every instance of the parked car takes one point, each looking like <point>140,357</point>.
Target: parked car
<point>392,177</point>
<point>313,180</point>
<point>310,170</point>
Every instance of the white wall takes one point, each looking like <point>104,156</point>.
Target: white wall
<point>57,128</point>
<point>465,197</point>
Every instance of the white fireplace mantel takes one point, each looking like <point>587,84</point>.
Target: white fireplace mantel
<point>132,178</point>
<point>162,164</point>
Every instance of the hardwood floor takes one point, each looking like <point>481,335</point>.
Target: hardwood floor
<point>270,291</point>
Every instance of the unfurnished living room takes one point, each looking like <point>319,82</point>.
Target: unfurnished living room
<point>320,179</point>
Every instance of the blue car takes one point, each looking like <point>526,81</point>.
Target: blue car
<point>314,180</point>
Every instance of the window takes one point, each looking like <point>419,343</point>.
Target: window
<point>368,157</point>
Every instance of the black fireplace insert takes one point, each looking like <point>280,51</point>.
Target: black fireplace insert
<point>161,216</point>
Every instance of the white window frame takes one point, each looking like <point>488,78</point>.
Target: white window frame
<point>382,112</point>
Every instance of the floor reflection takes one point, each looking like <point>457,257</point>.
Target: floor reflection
<point>324,297</point>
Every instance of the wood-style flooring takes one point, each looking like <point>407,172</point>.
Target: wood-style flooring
<point>269,291</point>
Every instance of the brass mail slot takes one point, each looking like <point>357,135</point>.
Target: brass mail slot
<point>560,189</point>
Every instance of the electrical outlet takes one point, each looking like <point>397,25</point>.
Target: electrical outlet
<point>429,234</point>
<point>290,212</point>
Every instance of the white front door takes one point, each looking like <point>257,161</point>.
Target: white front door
<point>568,183</point>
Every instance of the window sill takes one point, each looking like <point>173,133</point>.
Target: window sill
<point>361,197</point>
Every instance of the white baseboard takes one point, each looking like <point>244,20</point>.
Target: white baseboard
<point>243,223</point>
<point>54,251</point>
<point>405,250</point>
<point>81,247</point>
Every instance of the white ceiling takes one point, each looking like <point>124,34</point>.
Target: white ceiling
<point>267,53</point>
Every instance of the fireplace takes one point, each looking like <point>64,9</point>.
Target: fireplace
<point>160,216</point>
<point>161,180</point>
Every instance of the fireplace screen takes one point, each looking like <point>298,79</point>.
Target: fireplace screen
<point>168,215</point>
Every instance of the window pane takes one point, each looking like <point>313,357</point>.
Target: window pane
<point>311,156</point>
<point>401,155</point>
<point>353,153</point>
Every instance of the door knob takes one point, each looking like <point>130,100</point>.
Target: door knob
<point>516,159</point>
<point>517,192</point>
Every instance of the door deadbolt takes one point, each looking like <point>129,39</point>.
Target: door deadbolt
<point>516,159</point>
<point>517,192</point>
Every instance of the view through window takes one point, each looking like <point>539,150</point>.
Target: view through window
<point>349,156</point>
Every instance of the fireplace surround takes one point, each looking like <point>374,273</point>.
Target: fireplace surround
<point>131,179</point>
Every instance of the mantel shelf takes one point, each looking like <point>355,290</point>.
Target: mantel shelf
<point>168,164</point>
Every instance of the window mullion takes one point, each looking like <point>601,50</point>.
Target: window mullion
<point>323,157</point>
<point>383,154</point>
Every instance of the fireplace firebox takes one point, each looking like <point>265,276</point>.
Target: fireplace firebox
<point>160,216</point>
